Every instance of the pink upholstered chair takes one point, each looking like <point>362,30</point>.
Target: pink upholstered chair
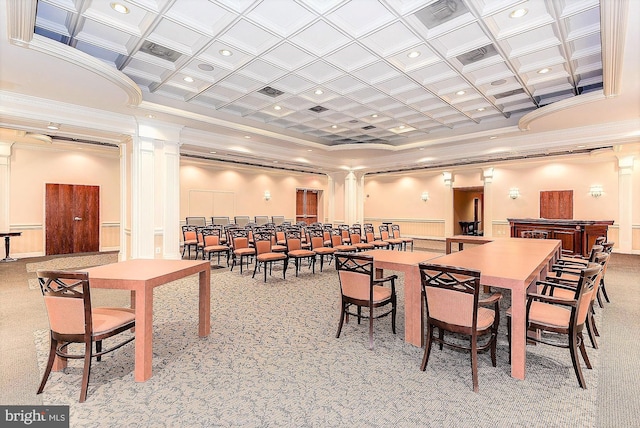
<point>189,239</point>
<point>240,248</point>
<point>317,241</point>
<point>262,240</point>
<point>72,319</point>
<point>359,288</point>
<point>295,250</point>
<point>563,317</point>
<point>212,244</point>
<point>447,287</point>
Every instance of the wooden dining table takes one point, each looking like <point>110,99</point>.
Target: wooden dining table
<point>407,263</point>
<point>515,264</point>
<point>141,276</point>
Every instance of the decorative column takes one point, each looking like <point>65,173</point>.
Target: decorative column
<point>487,227</point>
<point>447,176</point>
<point>625,207</point>
<point>330,200</point>
<point>152,191</point>
<point>5,174</point>
<point>350,198</point>
<point>359,199</point>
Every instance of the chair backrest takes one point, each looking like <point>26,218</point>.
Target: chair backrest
<point>369,233</point>
<point>594,252</point>
<point>277,219</point>
<point>587,285</point>
<point>600,240</point>
<point>239,238</point>
<point>197,221</point>
<point>211,236</point>
<point>395,230</point>
<point>68,301</point>
<point>384,231</point>
<point>534,234</point>
<point>241,220</point>
<point>344,230</point>
<point>336,237</point>
<point>294,239</point>
<point>355,235</point>
<point>608,247</point>
<point>220,221</point>
<point>189,232</point>
<point>261,220</point>
<point>316,236</point>
<point>355,272</point>
<point>262,240</point>
<point>448,287</point>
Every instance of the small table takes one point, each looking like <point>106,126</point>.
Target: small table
<point>406,262</point>
<point>141,276</point>
<point>464,239</point>
<point>7,244</point>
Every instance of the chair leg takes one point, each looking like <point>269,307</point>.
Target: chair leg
<point>265,269</point>
<point>509,336</point>
<point>255,269</point>
<point>99,349</point>
<point>427,347</point>
<point>393,316</point>
<point>342,313</point>
<point>604,291</point>
<point>370,328</point>
<point>86,372</point>
<point>574,359</point>
<point>590,330</point>
<point>474,362</point>
<point>47,371</point>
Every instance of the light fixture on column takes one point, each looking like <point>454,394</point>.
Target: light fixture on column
<point>267,195</point>
<point>595,190</point>
<point>448,178</point>
<point>424,196</point>
<point>514,193</point>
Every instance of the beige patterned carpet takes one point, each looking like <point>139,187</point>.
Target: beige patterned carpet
<point>272,360</point>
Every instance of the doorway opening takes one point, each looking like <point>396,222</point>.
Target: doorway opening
<point>468,211</point>
<point>307,205</point>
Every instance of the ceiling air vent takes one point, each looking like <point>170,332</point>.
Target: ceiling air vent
<point>477,55</point>
<point>318,109</point>
<point>508,94</point>
<point>159,51</point>
<point>440,12</point>
<point>368,127</point>
<point>270,92</point>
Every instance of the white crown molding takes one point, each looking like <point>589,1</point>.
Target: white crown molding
<point>21,23</point>
<point>614,16</point>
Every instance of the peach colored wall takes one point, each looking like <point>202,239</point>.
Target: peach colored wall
<point>244,188</point>
<point>34,166</point>
<point>399,196</point>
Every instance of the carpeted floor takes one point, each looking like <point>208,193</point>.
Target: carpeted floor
<point>272,359</point>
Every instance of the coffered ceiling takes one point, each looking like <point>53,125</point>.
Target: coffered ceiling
<point>376,84</point>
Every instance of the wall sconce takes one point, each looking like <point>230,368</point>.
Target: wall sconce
<point>424,196</point>
<point>267,195</point>
<point>448,178</point>
<point>595,190</point>
<point>514,193</point>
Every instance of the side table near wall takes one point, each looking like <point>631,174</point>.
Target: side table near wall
<point>7,243</point>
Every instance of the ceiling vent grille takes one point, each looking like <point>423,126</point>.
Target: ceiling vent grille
<point>270,92</point>
<point>159,51</point>
<point>318,109</point>
<point>441,11</point>
<point>477,55</point>
<point>368,127</point>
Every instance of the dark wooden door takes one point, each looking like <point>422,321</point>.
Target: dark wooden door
<point>307,205</point>
<point>72,218</point>
<point>556,204</point>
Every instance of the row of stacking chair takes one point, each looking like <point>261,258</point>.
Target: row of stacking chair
<point>240,220</point>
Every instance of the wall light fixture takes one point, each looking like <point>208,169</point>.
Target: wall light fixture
<point>267,195</point>
<point>514,193</point>
<point>595,190</point>
<point>424,196</point>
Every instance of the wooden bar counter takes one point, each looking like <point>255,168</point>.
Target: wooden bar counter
<point>577,236</point>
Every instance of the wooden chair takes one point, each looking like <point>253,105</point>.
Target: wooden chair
<point>241,220</point>
<point>296,252</point>
<point>189,239</point>
<point>277,220</point>
<point>212,243</point>
<point>261,220</point>
<point>72,319</point>
<point>220,221</point>
<point>240,248</point>
<point>344,230</point>
<point>196,221</point>
<point>534,234</point>
<point>562,317</point>
<point>263,240</point>
<point>395,233</point>
<point>371,239</point>
<point>385,235</point>
<point>447,287</point>
<point>316,239</point>
<point>608,248</point>
<point>337,242</point>
<point>356,240</point>
<point>359,288</point>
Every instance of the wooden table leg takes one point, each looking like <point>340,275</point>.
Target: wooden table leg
<point>518,333</point>
<point>204,306</point>
<point>144,334</point>
<point>414,322</point>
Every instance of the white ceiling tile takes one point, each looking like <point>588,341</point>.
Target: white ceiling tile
<point>106,37</point>
<point>426,56</point>
<point>288,57</point>
<point>297,103</point>
<point>433,73</point>
<point>319,72</point>
<point>249,37</point>
<point>359,17</point>
<point>133,22</point>
<point>367,95</point>
<point>254,101</point>
<point>212,54</point>
<point>241,84</point>
<point>351,57</point>
<point>176,37</point>
<point>345,84</point>
<point>398,84</point>
<point>376,72</point>
<point>262,71</point>
<point>283,17</point>
<point>461,40</point>
<point>320,38</point>
<point>392,39</point>
<point>205,17</point>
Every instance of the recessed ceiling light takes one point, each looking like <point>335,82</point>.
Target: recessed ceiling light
<point>401,127</point>
<point>188,79</point>
<point>277,108</point>
<point>518,13</point>
<point>213,153</point>
<point>205,67</point>
<point>460,93</point>
<point>334,126</point>
<point>421,148</point>
<point>225,52</point>
<point>119,7</point>
<point>581,146</point>
<point>150,116</point>
<point>374,115</point>
<point>544,70</point>
<point>481,109</point>
<point>247,136</point>
<point>493,137</point>
<point>53,126</point>
<point>275,161</point>
<point>309,150</point>
<point>319,92</point>
<point>414,54</point>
